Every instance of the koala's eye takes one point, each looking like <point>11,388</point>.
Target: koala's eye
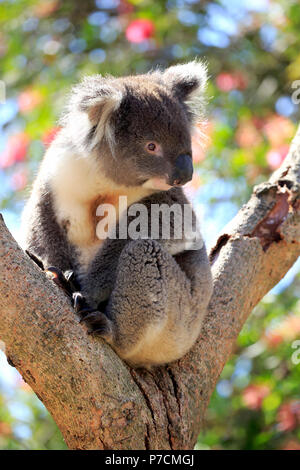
<point>151,147</point>
<point>154,148</point>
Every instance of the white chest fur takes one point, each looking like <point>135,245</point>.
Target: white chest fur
<point>78,188</point>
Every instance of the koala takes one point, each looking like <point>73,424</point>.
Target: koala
<point>129,137</point>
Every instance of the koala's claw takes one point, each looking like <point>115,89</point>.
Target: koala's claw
<point>81,306</point>
<point>79,303</point>
<point>97,322</point>
<point>35,259</point>
<point>64,280</point>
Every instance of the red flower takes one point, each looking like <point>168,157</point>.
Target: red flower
<point>15,150</point>
<point>50,135</point>
<point>139,30</point>
<point>253,395</point>
<point>229,81</point>
<point>288,416</point>
<point>273,339</point>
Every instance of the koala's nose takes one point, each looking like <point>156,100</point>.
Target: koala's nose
<point>183,170</point>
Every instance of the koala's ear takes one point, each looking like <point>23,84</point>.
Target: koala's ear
<point>188,84</point>
<point>101,104</point>
<point>95,99</point>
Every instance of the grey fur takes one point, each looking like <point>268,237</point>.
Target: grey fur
<point>46,238</point>
<point>153,294</point>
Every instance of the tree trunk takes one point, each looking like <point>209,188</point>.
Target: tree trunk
<point>97,401</point>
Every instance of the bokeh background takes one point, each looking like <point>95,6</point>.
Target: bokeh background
<point>252,48</point>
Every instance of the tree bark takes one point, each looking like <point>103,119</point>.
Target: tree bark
<point>97,401</point>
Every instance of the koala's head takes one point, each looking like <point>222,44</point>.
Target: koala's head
<point>139,127</point>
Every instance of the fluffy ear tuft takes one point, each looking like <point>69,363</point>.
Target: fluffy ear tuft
<point>188,83</point>
<point>97,99</point>
<point>101,104</point>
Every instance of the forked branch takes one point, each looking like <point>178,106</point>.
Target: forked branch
<point>97,401</point>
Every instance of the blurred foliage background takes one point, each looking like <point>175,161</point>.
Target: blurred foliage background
<point>252,48</point>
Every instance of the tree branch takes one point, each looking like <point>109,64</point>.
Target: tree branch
<point>97,401</point>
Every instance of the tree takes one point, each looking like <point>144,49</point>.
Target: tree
<point>97,401</point>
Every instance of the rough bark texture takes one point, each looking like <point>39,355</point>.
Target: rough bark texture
<point>97,401</point>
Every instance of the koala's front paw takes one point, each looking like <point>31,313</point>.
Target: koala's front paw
<point>97,322</point>
<point>64,280</point>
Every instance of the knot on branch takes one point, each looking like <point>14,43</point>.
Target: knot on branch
<point>267,230</point>
<point>285,195</point>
